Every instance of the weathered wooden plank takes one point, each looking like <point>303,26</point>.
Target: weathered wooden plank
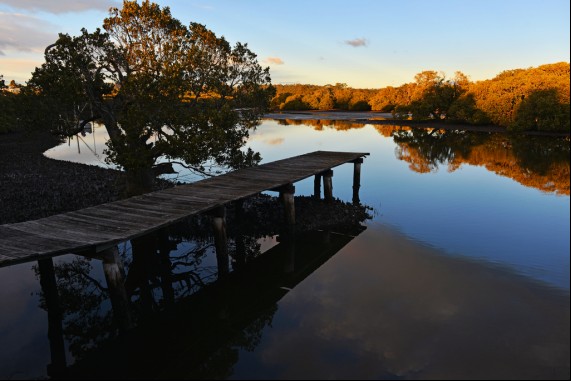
<point>111,216</point>
<point>47,228</point>
<point>115,224</point>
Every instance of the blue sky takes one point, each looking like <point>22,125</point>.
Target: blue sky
<point>364,43</point>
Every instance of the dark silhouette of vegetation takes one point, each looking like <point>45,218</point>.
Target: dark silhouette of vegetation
<point>542,110</point>
<point>149,76</point>
<point>8,120</point>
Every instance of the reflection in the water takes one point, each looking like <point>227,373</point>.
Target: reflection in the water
<point>461,274</point>
<point>402,310</point>
<point>540,162</point>
<point>204,306</point>
<point>533,161</point>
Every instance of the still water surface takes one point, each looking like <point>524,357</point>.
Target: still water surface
<point>462,271</point>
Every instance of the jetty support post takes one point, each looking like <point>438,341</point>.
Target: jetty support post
<point>112,267</point>
<point>328,185</point>
<point>239,257</point>
<point>55,330</point>
<point>356,179</point>
<point>218,217</point>
<point>287,196</point>
<point>317,186</point>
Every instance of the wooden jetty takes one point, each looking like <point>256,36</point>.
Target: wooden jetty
<point>96,231</point>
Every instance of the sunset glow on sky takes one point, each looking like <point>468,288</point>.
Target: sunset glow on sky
<point>365,44</point>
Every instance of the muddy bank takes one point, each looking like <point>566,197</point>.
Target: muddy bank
<point>33,186</point>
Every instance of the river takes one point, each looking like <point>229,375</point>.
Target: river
<point>461,271</point>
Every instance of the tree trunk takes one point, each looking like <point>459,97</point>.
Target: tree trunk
<point>140,178</point>
<point>139,181</point>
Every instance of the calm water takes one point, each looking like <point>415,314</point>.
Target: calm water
<point>462,271</point>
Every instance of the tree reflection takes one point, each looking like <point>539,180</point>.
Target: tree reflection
<point>427,149</point>
<point>540,162</point>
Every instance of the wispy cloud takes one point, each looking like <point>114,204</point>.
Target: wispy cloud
<point>357,42</point>
<point>203,6</point>
<point>61,6</point>
<point>274,141</point>
<point>24,33</point>
<point>275,60</point>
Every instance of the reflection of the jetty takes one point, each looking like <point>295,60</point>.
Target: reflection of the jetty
<point>198,328</point>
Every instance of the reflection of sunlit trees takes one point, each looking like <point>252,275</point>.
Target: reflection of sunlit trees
<point>427,149</point>
<point>388,130</point>
<point>533,161</point>
<point>320,124</point>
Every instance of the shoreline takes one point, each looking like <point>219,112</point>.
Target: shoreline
<point>383,118</point>
<point>34,186</point>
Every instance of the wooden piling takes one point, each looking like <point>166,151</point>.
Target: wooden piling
<point>286,195</point>
<point>116,287</point>
<point>218,217</point>
<point>55,330</point>
<point>317,186</point>
<point>356,179</point>
<point>328,185</point>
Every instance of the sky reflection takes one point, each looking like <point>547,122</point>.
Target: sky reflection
<point>389,307</point>
<point>470,211</point>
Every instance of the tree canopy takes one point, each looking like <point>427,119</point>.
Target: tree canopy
<point>163,90</point>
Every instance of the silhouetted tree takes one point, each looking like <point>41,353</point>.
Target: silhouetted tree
<point>147,76</point>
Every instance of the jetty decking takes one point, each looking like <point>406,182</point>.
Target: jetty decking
<point>92,230</point>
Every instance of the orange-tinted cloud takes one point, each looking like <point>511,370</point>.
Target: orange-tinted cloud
<point>275,60</point>
<point>356,42</point>
<point>274,141</point>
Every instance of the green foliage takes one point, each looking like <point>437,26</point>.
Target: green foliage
<point>542,111</point>
<point>501,97</point>
<point>360,106</point>
<point>8,117</point>
<point>464,110</point>
<point>401,112</point>
<point>147,76</point>
<point>294,102</point>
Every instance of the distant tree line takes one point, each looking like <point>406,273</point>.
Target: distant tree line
<point>8,110</point>
<point>520,99</point>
